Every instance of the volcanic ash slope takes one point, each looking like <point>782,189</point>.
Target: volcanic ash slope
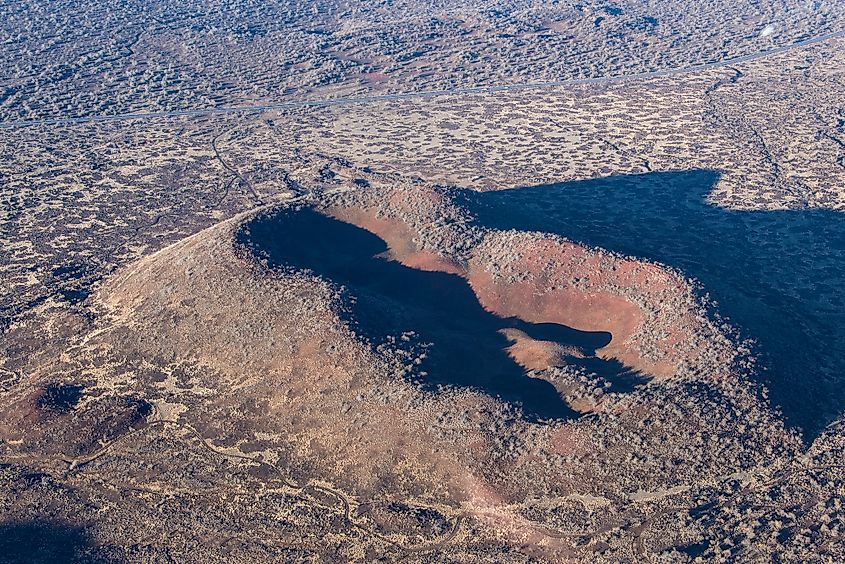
<point>280,378</point>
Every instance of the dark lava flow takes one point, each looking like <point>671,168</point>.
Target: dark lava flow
<point>441,308</point>
<point>777,275</point>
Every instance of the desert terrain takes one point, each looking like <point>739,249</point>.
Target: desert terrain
<point>422,282</point>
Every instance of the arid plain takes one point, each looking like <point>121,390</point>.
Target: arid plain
<point>193,369</point>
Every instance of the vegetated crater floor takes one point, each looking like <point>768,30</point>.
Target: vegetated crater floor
<point>469,345</point>
<point>776,275</point>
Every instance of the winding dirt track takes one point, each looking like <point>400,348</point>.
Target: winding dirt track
<point>75,464</point>
<point>637,524</point>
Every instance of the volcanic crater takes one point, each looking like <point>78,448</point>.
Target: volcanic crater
<point>382,344</point>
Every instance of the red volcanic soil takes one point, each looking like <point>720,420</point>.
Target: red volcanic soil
<point>544,279</point>
<point>532,354</point>
<point>399,238</point>
<point>585,311</point>
<point>598,301</point>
